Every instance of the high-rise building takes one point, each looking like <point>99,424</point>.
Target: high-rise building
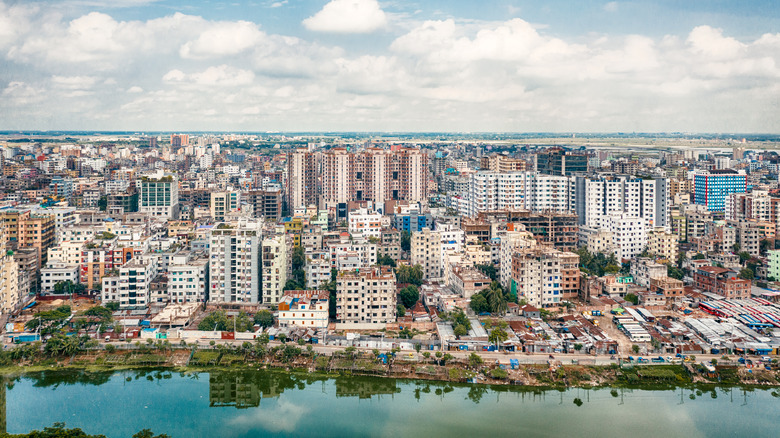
<point>179,140</point>
<point>663,244</point>
<point>10,299</point>
<point>366,298</point>
<point>266,203</point>
<point>493,191</point>
<point>374,175</point>
<point>135,278</point>
<point>596,198</point>
<point>544,276</point>
<point>275,266</point>
<point>234,262</point>
<point>426,252</point>
<point>558,161</point>
<point>187,279</point>
<point>158,195</point>
<point>301,179</point>
<point>629,234</point>
<point>714,187</point>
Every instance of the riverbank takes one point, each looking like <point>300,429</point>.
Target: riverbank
<point>431,367</point>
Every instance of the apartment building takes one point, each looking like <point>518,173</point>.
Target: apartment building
<point>158,195</point>
<point>629,233</point>
<point>545,277</point>
<point>222,203</point>
<point>234,262</point>
<point>644,269</point>
<point>366,299</point>
<point>426,252</point>
<point>662,243</point>
<point>365,249</point>
<point>595,198</point>
<point>597,241</point>
<point>301,179</point>
<point>493,191</point>
<point>713,188</point>
<point>362,221</point>
<point>275,256</point>
<point>266,203</point>
<point>304,308</point>
<point>187,279</point>
<point>135,278</point>
<point>57,272</point>
<point>10,298</point>
<point>721,281</point>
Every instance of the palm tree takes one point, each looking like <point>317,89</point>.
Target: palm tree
<point>495,298</point>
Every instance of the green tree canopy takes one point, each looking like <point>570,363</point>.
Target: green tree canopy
<point>264,318</point>
<point>409,296</point>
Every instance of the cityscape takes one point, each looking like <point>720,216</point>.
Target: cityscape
<point>352,201</point>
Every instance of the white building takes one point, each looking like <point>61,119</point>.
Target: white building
<point>234,262</point>
<point>491,191</point>
<point>595,199</point>
<point>629,233</point>
<point>317,272</point>
<point>304,308</point>
<point>366,250</point>
<point>158,195</point>
<point>366,299</point>
<point>187,279</point>
<point>426,252</point>
<point>135,277</point>
<point>275,267</point>
<point>56,272</point>
<point>643,269</point>
<point>363,222</point>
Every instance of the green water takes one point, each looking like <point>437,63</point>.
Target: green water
<point>257,403</point>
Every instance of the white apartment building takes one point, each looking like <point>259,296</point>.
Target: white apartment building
<point>10,297</point>
<point>367,251</point>
<point>304,308</point>
<point>135,277</point>
<point>643,269</point>
<point>158,195</point>
<point>594,199</point>
<point>234,262</point>
<point>366,299</point>
<point>537,274</point>
<point>67,252</point>
<point>275,267</point>
<point>187,279</point>
<point>56,272</point>
<point>116,186</point>
<point>629,233</point>
<point>597,241</point>
<point>317,272</point>
<point>452,238</point>
<point>426,252</point>
<point>663,244</point>
<point>491,191</point>
<point>509,243</point>
<point>363,222</point>
<point>110,290</point>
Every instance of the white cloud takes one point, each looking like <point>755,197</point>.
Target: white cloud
<point>348,16</point>
<point>611,6</point>
<point>283,417</point>
<point>74,82</point>
<point>278,4</point>
<point>223,39</point>
<point>135,89</point>
<point>222,75</point>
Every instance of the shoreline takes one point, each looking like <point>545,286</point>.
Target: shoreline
<point>452,372</point>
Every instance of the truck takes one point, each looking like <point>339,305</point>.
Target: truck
<point>658,359</point>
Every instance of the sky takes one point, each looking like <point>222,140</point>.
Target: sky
<point>366,65</point>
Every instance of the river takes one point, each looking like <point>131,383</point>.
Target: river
<point>261,403</point>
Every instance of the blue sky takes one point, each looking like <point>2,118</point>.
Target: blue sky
<point>434,65</point>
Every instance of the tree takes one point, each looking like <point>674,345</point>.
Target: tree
<point>475,360</point>
<point>112,306</point>
<point>497,336</point>
<point>460,330</point>
<point>385,260</point>
<point>674,272</point>
<point>406,240</point>
<point>488,270</point>
<point>409,296</point>
<point>635,349</point>
<point>68,288</point>
<point>578,347</point>
<point>479,304</point>
<point>699,256</point>
<point>765,245</point>
<point>298,258</point>
<point>631,298</point>
<point>494,295</point>
<point>264,318</point>
<point>746,274</point>
<point>681,257</point>
<point>409,274</point>
<point>400,311</point>
<point>736,247</point>
<point>744,256</point>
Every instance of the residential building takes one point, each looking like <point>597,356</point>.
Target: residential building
<point>275,267</point>
<point>266,203</point>
<point>222,203</point>
<point>362,221</point>
<point>711,189</point>
<point>467,281</point>
<point>721,281</point>
<point>234,262</point>
<point>158,195</point>
<point>10,298</point>
<point>366,299</point>
<point>109,293</point>
<point>187,279</point>
<point>671,288</point>
<point>135,278</point>
<point>304,308</point>
<point>662,243</point>
<point>545,277</point>
<point>301,179</point>
<point>426,252</point>
<point>644,269</point>
<point>503,163</point>
<point>630,234</point>
<point>598,241</point>
<point>57,272</point>
<point>597,198</point>
<point>317,272</point>
<point>365,250</point>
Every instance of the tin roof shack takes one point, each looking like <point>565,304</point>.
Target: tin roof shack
<point>721,281</point>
